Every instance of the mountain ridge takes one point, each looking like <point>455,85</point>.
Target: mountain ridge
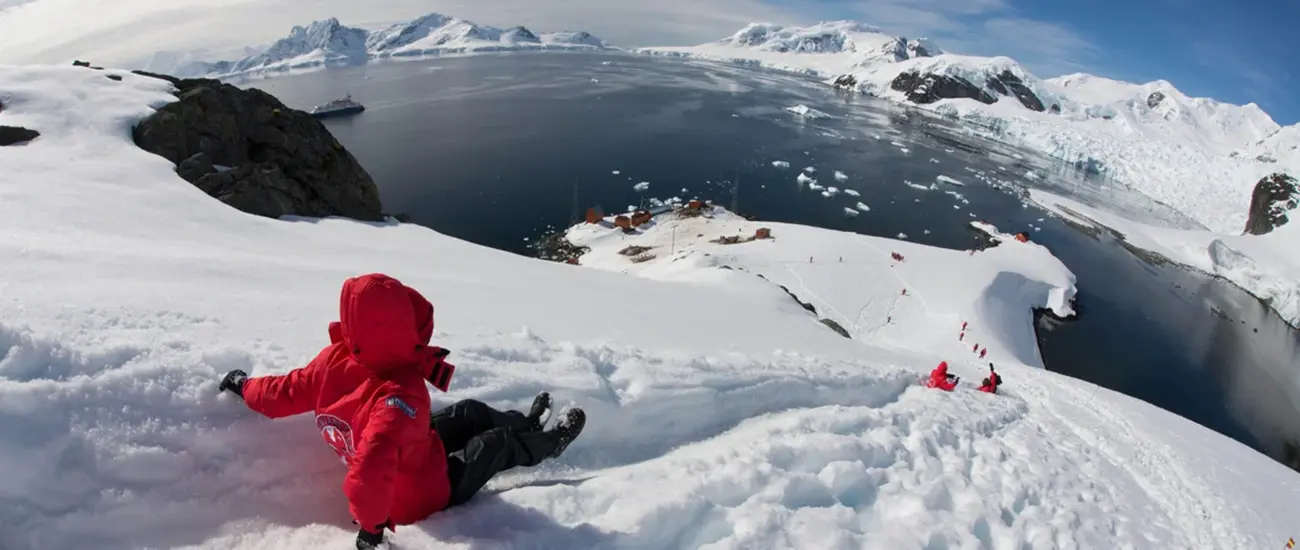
<point>328,42</point>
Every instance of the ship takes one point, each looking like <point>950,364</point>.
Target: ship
<point>338,107</point>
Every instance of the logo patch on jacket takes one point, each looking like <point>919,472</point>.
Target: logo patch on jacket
<point>337,434</point>
<point>397,402</point>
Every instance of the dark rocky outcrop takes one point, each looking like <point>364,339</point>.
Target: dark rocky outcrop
<point>1055,109</point>
<point>1007,82</point>
<point>15,135</point>
<point>845,82</point>
<point>929,88</point>
<point>248,150</point>
<point>1154,99</point>
<point>1273,198</point>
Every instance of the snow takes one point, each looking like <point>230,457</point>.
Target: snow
<point>852,193</point>
<point>863,207</point>
<point>850,211</point>
<point>833,190</point>
<point>723,413</point>
<point>615,172</point>
<point>780,164</point>
<point>841,176</point>
<point>641,186</point>
<point>948,180</point>
<point>1267,266</point>
<point>930,187</point>
<point>803,178</point>
<point>806,111</point>
<point>810,169</point>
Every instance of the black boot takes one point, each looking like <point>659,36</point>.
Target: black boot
<point>567,430</point>
<point>541,405</point>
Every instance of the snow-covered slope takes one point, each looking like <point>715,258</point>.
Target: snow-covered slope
<point>1178,150</point>
<point>998,289</point>
<point>722,413</point>
<point>329,42</point>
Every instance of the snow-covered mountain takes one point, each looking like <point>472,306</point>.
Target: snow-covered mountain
<point>1160,107</point>
<point>115,434</point>
<point>863,43</point>
<point>828,48</point>
<point>329,42</point>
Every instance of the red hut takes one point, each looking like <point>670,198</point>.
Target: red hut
<point>763,233</point>
<point>639,217</point>
<point>623,222</point>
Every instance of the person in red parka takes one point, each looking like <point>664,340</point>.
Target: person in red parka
<point>940,379</point>
<point>991,383</point>
<point>366,389</point>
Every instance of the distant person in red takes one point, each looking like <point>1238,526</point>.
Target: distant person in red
<point>367,392</point>
<point>991,383</point>
<point>984,352</point>
<point>940,379</point>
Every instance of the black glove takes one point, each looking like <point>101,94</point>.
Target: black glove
<point>369,541</point>
<point>234,382</point>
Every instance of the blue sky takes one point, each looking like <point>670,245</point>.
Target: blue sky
<point>1236,51</point>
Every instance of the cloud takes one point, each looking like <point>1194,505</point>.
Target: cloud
<point>1048,47</point>
<point>982,27</point>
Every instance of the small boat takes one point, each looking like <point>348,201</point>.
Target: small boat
<point>338,107</point>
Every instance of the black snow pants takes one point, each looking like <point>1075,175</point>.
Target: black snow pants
<point>482,441</point>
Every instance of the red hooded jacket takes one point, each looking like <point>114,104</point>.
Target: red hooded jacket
<point>939,378</point>
<point>990,384</point>
<point>367,391</point>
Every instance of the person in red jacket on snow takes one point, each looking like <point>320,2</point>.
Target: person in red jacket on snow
<point>940,379</point>
<point>367,391</point>
<point>990,384</point>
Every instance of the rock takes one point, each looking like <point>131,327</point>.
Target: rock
<point>845,82</point>
<point>282,161</point>
<point>116,77</point>
<point>929,88</point>
<point>1274,196</point>
<point>1008,82</point>
<point>195,167</point>
<point>1055,109</point>
<point>1154,99</point>
<point>15,135</point>
<point>262,189</point>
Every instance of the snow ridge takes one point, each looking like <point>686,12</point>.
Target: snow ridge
<point>329,43</point>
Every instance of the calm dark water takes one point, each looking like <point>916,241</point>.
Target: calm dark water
<point>496,149</point>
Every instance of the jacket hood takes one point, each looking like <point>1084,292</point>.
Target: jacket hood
<point>942,369</point>
<point>386,325</point>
